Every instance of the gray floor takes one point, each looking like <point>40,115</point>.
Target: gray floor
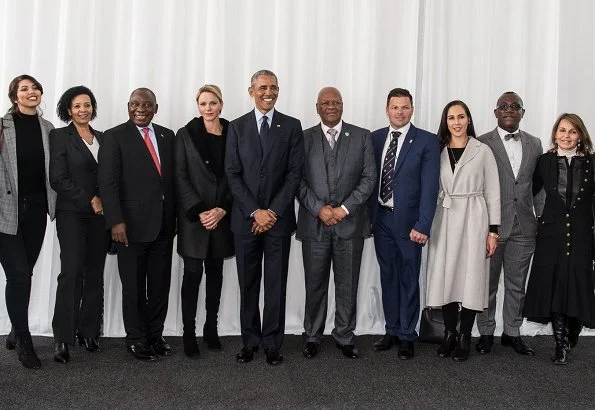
<point>113,379</point>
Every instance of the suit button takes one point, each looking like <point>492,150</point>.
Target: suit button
<point>8,192</point>
<point>567,225</point>
<point>567,253</point>
<point>262,175</point>
<point>514,199</point>
<point>568,234</point>
<point>516,183</point>
<point>567,215</point>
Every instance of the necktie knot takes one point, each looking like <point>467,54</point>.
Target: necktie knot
<point>332,137</point>
<point>395,134</point>
<point>151,149</point>
<point>145,132</point>
<point>515,137</point>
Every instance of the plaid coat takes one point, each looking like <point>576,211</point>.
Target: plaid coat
<point>9,174</point>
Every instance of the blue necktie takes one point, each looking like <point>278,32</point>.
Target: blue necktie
<point>388,168</point>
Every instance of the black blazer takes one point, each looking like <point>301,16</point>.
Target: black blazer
<point>199,189</point>
<point>264,177</point>
<point>131,188</point>
<point>73,169</point>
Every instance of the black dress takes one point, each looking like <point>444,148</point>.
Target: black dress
<point>561,277</point>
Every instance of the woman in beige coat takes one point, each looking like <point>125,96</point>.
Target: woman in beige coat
<point>464,232</point>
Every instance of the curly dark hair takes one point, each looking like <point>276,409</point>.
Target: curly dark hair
<point>444,133</point>
<point>66,102</point>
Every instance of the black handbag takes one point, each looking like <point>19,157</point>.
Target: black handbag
<point>431,326</point>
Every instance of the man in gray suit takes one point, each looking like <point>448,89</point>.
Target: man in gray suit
<point>339,177</point>
<point>516,154</point>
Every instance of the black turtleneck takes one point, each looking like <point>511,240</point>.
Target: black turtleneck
<point>30,154</point>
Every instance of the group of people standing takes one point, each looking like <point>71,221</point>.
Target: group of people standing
<point>228,188</point>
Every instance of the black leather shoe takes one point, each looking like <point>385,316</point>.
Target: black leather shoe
<point>517,344</point>
<point>11,340</point>
<point>141,352</point>
<point>26,351</point>
<point>485,343</point>
<point>386,342</point>
<point>246,354</point>
<point>91,343</point>
<point>273,357</point>
<point>406,350</point>
<point>310,350</point>
<point>349,351</point>
<point>461,352</point>
<point>191,346</point>
<point>161,347</point>
<point>61,353</point>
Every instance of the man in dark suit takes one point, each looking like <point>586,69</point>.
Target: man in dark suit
<point>516,153</point>
<point>137,187</point>
<point>263,162</point>
<point>333,220</point>
<point>403,205</point>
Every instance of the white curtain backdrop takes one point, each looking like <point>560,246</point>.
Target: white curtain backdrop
<point>440,50</point>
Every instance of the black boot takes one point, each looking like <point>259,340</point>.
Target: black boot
<point>190,346</point>
<point>448,344</point>
<point>61,353</point>
<point>211,337</point>
<point>27,355</point>
<point>560,327</point>
<point>461,352</point>
<point>11,340</point>
<point>574,330</point>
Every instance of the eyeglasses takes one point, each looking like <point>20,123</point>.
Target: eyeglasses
<point>146,105</point>
<point>329,104</point>
<point>512,107</point>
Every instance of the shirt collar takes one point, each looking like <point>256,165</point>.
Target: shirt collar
<point>502,133</point>
<point>403,130</point>
<point>150,127</point>
<point>337,127</point>
<point>269,115</point>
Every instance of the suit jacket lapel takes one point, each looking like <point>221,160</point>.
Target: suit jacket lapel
<point>273,138</point>
<point>78,142</point>
<point>342,147</point>
<point>407,141</point>
<point>9,151</point>
<point>319,140</point>
<point>470,151</point>
<point>163,147</point>
<point>446,173</point>
<point>526,146</point>
<point>499,150</point>
<point>138,140</point>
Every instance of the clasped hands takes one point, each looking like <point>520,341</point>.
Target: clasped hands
<point>331,216</point>
<point>210,219</point>
<point>264,219</point>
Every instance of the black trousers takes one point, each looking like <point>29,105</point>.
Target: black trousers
<point>84,241</point>
<point>250,250</point>
<point>145,273</point>
<point>18,255</point>
<point>193,269</point>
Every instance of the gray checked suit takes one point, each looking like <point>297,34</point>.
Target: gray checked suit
<point>517,233</point>
<point>345,175</point>
<point>9,219</point>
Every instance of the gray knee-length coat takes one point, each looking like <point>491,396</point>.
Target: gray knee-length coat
<point>468,202</point>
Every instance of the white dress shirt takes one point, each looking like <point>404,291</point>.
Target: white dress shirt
<point>514,150</point>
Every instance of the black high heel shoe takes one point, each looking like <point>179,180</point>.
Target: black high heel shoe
<point>61,353</point>
<point>11,340</point>
<point>91,343</point>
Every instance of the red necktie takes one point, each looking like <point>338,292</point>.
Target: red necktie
<point>151,148</point>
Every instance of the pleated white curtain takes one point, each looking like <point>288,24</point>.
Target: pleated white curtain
<point>441,50</point>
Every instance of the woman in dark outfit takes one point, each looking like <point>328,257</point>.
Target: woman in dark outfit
<point>560,287</point>
<point>80,224</point>
<point>204,230</point>
<point>26,199</point>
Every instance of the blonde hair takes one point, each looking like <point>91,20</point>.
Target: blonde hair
<point>210,88</point>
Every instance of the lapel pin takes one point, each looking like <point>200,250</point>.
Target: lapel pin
<point>347,134</point>
<point>278,125</point>
<point>411,141</point>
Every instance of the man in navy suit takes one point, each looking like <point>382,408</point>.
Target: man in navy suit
<point>402,208</point>
<point>136,185</point>
<point>263,162</point>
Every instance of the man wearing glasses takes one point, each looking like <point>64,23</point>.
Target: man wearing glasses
<point>516,154</point>
<point>136,184</point>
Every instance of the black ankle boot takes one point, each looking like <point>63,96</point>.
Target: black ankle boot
<point>461,352</point>
<point>211,337</point>
<point>574,330</point>
<point>448,344</point>
<point>27,355</point>
<point>190,346</point>
<point>11,340</point>
<point>91,343</point>
<point>560,327</point>
<point>61,353</point>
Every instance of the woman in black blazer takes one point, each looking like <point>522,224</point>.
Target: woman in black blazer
<point>81,227</point>
<point>204,204</point>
